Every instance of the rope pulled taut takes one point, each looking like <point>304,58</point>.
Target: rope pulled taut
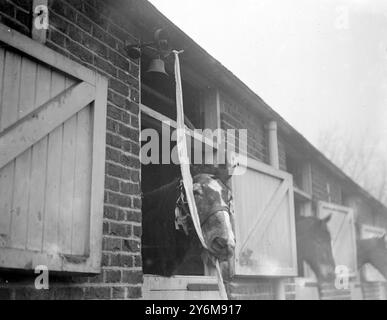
<point>185,169</point>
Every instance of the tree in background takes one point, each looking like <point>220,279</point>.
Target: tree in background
<point>363,159</point>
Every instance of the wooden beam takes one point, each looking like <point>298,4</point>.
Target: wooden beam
<point>273,144</point>
<point>98,171</point>
<point>164,119</point>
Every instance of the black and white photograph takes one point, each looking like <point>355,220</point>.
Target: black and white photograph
<point>212,151</point>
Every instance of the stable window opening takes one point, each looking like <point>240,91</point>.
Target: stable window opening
<point>158,111</point>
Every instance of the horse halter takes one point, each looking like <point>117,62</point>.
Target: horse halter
<point>182,211</point>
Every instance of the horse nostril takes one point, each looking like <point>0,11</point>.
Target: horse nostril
<point>220,243</point>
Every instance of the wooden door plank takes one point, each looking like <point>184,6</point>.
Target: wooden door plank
<point>54,163</point>
<point>27,91</point>
<point>35,126</point>
<point>6,194</point>
<point>22,184</point>
<point>82,184</point>
<point>10,101</point>
<point>19,220</point>
<point>2,65</point>
<point>6,173</point>
<point>38,167</point>
<point>67,183</point>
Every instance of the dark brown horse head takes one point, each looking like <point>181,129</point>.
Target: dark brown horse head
<point>314,246</point>
<point>373,251</point>
<point>212,199</point>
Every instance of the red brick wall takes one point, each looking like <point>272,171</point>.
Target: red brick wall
<point>16,14</point>
<point>281,153</point>
<point>93,32</point>
<point>236,116</point>
<point>320,178</point>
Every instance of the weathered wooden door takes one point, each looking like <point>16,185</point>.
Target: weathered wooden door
<point>373,282</point>
<point>369,272</point>
<point>343,235</point>
<point>264,222</point>
<point>52,154</point>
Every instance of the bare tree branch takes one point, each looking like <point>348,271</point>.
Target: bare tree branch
<point>361,160</point>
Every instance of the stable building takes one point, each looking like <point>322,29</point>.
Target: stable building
<point>73,104</point>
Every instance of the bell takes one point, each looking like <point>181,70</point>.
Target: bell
<point>134,52</point>
<point>157,66</point>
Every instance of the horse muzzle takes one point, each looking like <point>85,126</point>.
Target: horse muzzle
<point>327,273</point>
<point>222,248</point>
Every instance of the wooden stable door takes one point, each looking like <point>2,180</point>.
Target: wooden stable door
<point>369,272</point>
<point>342,229</point>
<point>264,222</point>
<point>52,153</point>
<point>372,281</point>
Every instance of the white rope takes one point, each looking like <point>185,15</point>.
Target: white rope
<point>185,168</point>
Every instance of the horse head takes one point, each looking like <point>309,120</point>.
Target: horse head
<point>373,251</point>
<point>314,246</point>
<point>213,199</point>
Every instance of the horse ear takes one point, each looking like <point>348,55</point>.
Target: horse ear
<point>223,174</point>
<point>327,219</point>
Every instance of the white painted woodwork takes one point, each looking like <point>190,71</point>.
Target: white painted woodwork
<point>369,272</point>
<point>52,155</point>
<point>264,222</point>
<point>343,235</point>
<point>273,144</point>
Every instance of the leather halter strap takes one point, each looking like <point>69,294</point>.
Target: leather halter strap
<point>214,211</point>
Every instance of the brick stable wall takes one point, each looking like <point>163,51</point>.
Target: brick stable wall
<point>16,14</point>
<point>237,116</point>
<point>281,153</point>
<point>93,32</point>
<point>320,178</point>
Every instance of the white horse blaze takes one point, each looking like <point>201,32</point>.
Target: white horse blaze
<point>215,185</point>
<point>229,227</point>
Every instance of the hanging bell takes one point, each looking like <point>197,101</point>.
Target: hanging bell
<point>134,52</point>
<point>157,66</point>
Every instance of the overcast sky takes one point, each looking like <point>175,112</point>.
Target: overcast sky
<point>320,64</point>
